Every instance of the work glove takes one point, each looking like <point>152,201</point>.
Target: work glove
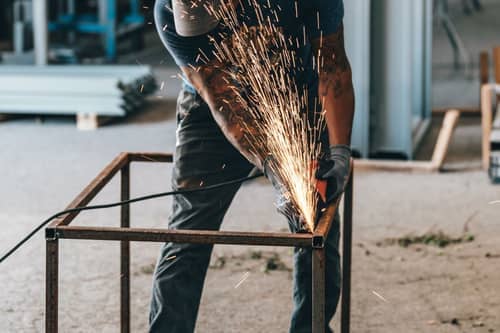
<point>334,169</point>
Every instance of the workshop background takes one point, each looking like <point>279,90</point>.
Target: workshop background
<point>82,81</point>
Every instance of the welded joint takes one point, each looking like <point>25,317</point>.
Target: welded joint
<point>51,234</point>
<point>125,156</point>
<point>318,241</point>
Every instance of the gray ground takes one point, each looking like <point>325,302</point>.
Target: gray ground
<point>423,288</point>
<point>44,165</point>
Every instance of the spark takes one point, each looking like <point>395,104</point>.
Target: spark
<point>380,296</point>
<point>259,62</point>
<point>245,276</point>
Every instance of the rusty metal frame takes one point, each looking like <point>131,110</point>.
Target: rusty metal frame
<point>60,229</point>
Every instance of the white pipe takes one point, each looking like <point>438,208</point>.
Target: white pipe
<point>40,31</point>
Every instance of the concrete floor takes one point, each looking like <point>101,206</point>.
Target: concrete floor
<point>44,163</point>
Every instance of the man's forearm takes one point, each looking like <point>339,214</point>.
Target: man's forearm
<point>335,87</point>
<point>338,104</point>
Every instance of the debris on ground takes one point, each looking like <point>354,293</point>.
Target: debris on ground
<point>148,269</point>
<point>274,263</point>
<point>255,255</point>
<point>218,263</point>
<point>439,239</point>
<point>453,321</point>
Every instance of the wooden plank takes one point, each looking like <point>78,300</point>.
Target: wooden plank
<point>441,148</point>
<point>464,111</point>
<point>496,67</point>
<point>484,67</point>
<point>90,121</point>
<point>388,165</point>
<point>484,71</point>
<point>486,122</point>
<point>496,63</point>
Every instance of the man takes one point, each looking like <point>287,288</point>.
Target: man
<point>211,150</point>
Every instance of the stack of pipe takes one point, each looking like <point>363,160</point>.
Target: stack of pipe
<point>101,90</point>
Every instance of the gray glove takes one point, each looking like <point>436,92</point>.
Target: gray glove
<point>334,168</point>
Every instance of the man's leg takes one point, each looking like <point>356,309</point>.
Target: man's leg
<point>302,290</point>
<point>203,157</point>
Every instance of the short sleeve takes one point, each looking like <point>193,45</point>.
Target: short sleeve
<point>186,51</point>
<point>324,17</point>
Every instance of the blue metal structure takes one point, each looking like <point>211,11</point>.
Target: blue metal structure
<point>389,43</point>
<point>106,24</point>
<point>357,25</point>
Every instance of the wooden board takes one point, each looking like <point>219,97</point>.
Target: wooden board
<point>496,63</point>
<point>486,122</point>
<point>387,165</point>
<point>435,164</point>
<point>464,111</point>
<point>90,121</point>
<point>484,67</point>
<point>496,67</point>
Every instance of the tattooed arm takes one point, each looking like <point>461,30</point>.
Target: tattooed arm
<point>335,86</point>
<point>212,83</point>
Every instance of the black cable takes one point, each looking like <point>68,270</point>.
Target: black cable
<point>126,202</point>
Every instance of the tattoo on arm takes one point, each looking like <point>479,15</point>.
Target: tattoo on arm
<point>228,108</point>
<point>334,68</point>
<point>335,91</point>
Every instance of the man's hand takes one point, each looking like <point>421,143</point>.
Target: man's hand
<point>334,169</point>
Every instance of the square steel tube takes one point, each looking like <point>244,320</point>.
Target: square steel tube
<point>180,236</point>
<point>60,229</point>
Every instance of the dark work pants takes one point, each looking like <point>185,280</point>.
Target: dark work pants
<point>204,157</point>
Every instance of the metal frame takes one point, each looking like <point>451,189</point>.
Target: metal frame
<point>60,229</point>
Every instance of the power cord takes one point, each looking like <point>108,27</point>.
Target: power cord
<point>126,202</point>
